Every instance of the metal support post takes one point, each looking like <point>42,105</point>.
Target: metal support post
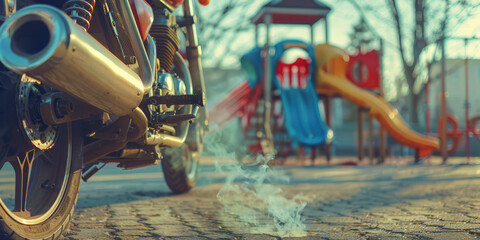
<point>383,135</point>
<point>427,101</point>
<point>267,144</point>
<point>326,28</point>
<point>328,113</point>
<point>360,134</point>
<point>257,41</point>
<point>312,35</point>
<point>370,139</point>
<point>467,106</point>
<point>443,110</point>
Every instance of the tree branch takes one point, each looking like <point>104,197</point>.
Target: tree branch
<point>419,42</point>
<point>407,67</point>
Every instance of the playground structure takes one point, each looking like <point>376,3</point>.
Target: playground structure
<point>450,131</point>
<point>331,74</point>
<point>278,105</point>
<point>302,120</point>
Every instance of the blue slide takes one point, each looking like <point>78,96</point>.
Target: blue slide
<point>302,116</point>
<point>303,119</point>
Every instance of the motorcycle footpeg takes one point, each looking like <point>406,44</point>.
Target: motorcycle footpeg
<point>195,99</point>
<point>168,119</point>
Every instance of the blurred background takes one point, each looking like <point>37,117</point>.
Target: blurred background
<point>410,31</point>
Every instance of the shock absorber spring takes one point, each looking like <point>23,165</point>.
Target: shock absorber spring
<point>80,11</point>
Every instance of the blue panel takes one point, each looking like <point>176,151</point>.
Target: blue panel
<point>300,105</point>
<point>252,64</point>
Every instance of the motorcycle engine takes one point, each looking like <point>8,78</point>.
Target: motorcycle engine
<point>170,84</point>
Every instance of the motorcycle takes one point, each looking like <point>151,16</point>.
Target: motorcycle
<point>84,84</point>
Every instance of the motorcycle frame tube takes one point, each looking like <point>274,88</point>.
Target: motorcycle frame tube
<point>145,64</point>
<point>178,62</point>
<point>152,58</point>
<point>72,61</point>
<point>194,54</point>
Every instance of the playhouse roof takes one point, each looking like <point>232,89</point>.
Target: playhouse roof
<point>292,12</point>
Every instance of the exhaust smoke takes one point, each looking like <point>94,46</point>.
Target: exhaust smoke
<point>251,192</point>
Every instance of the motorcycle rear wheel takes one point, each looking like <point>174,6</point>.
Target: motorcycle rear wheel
<point>180,168</point>
<point>39,188</point>
<point>52,191</point>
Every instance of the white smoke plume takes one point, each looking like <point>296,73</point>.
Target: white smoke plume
<point>252,195</point>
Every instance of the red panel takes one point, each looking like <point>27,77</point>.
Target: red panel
<point>174,3</point>
<point>143,14</point>
<point>231,105</point>
<point>294,75</point>
<point>249,109</point>
<point>363,70</point>
<point>282,18</point>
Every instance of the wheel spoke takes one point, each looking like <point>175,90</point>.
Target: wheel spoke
<point>22,168</point>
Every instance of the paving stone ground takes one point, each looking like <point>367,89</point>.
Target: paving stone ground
<point>395,201</point>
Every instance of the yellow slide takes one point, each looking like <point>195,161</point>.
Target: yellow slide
<point>332,65</point>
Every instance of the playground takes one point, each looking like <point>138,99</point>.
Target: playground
<point>284,107</point>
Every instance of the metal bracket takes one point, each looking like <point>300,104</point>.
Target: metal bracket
<point>186,20</point>
<point>59,107</point>
<point>194,52</point>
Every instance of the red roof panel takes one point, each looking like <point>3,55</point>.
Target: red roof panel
<point>292,12</point>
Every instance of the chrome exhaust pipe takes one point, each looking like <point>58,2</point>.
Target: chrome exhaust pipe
<point>44,43</point>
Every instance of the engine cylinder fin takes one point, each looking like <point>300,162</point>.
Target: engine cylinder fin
<point>167,43</point>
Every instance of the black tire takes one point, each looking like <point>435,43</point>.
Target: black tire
<point>180,168</point>
<point>54,227</point>
<point>57,222</point>
<point>53,181</point>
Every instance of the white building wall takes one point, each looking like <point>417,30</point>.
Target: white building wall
<point>455,87</point>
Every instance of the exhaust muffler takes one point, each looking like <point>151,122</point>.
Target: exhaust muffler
<point>44,43</point>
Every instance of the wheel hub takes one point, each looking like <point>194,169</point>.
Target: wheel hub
<point>28,98</point>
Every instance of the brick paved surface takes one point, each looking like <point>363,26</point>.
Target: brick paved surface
<point>365,202</point>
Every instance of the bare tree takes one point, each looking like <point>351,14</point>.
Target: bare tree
<point>361,37</point>
<point>431,20</point>
<point>219,28</point>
